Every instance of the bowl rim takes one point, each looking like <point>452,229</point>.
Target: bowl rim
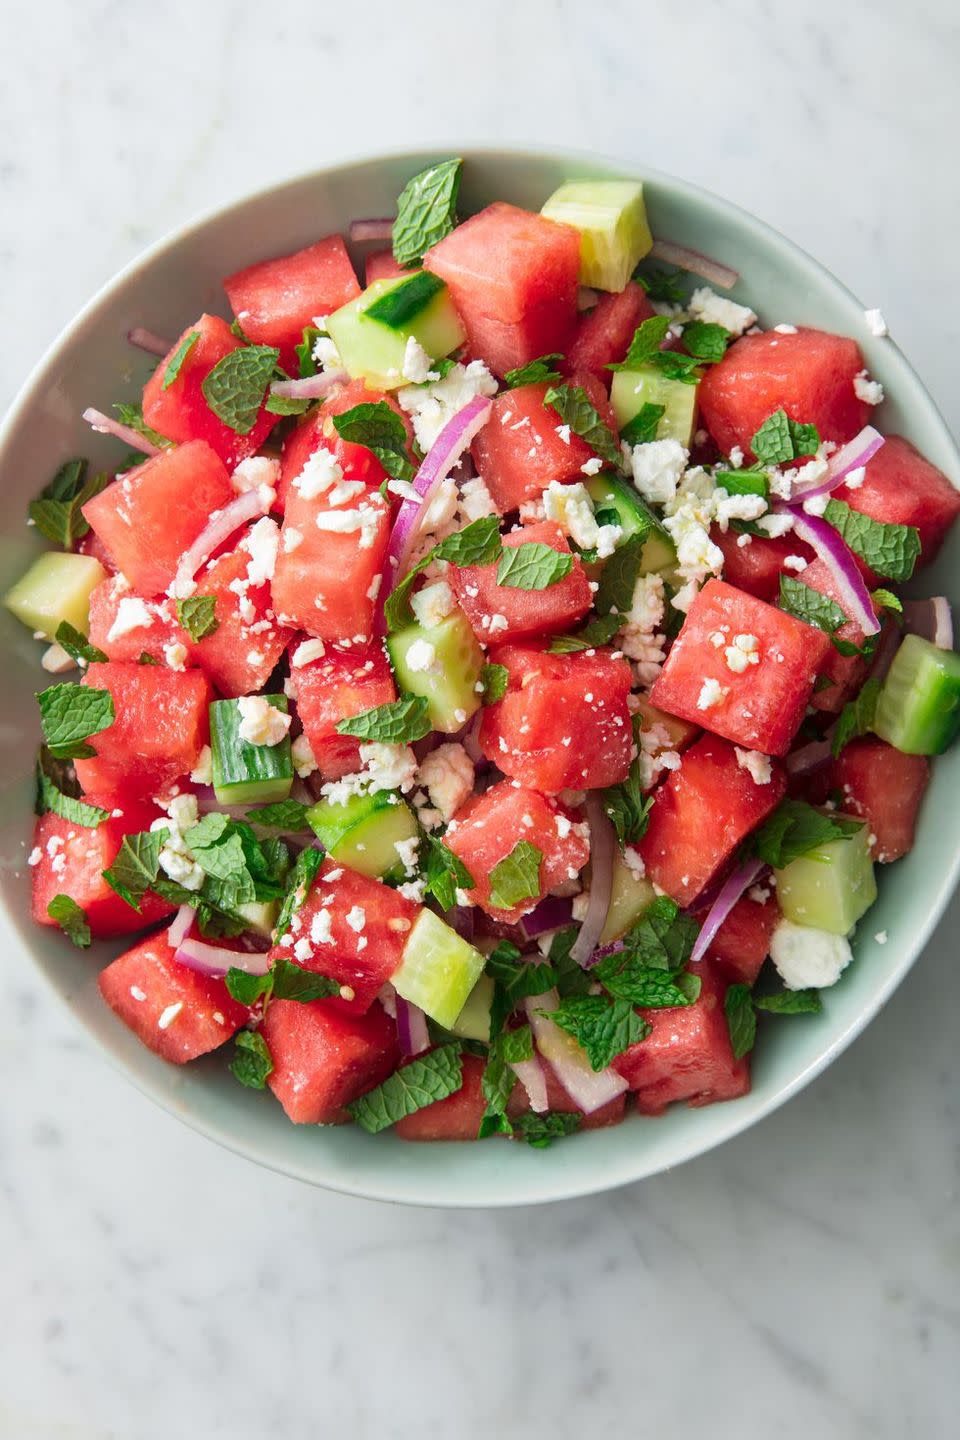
<point>731,1120</point>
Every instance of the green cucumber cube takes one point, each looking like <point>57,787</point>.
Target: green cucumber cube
<point>364,832</point>
<point>473,1022</point>
<point>918,708</point>
<point>449,684</point>
<point>245,774</point>
<point>609,492</point>
<point>629,897</point>
<point>261,915</point>
<point>57,587</point>
<point>438,970</point>
<point>371,332</point>
<point>831,887</point>
<point>612,220</point>
<point>632,389</point>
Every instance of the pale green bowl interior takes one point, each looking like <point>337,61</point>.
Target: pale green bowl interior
<point>93,365</point>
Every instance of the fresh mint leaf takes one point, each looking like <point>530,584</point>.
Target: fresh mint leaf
<point>886,600</point>
<point>478,543</point>
<point>532,566</point>
<point>287,815</point>
<point>857,716</point>
<point>494,679</point>
<point>247,989</point>
<point>795,828</point>
<point>514,981</point>
<point>304,351</point>
<point>445,873</point>
<point>77,645</point>
<point>619,577</point>
<point>571,978</point>
<point>706,341</point>
<point>252,1061</point>
<point>674,365</point>
<point>286,404</point>
<point>744,482</point>
<point>741,1019</point>
<point>76,812</point>
<point>810,605</point>
<point>628,808</point>
<point>663,937</point>
<point>498,1079</point>
<point>292,982</point>
<point>146,659</point>
<point>71,919</point>
<point>430,1077</point>
<point>516,877</point>
<point>536,372</point>
<point>603,1028</point>
<point>236,386</point>
<point>790,1002</point>
<point>69,714</point>
<point>598,631</point>
<point>198,615</point>
<point>399,722</point>
<point>644,425</point>
<point>302,876</point>
<point>541,1130</point>
<point>780,440</point>
<point>175,363</point>
<point>575,409</point>
<point>57,510</point>
<point>663,285</point>
<point>890,550</point>
<point>378,428</point>
<point>804,438</point>
<point>136,865</point>
<point>131,415</point>
<point>652,988</point>
<point>645,344</point>
<point>426,211</point>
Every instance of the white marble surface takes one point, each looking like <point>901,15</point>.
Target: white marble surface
<point>801,1281</point>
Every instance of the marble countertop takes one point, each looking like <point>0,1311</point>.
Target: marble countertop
<point>803,1279</point>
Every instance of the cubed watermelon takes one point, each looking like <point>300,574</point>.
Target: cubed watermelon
<point>563,723</point>
<point>809,374</point>
<point>604,333</point>
<point>527,612</point>
<point>742,943</point>
<point>323,1059</point>
<point>180,412</point>
<point>154,513</point>
<point>240,654</point>
<point>524,445</point>
<point>382,266</point>
<point>161,724</point>
<point>274,300</point>
<point>513,277</point>
<point>175,1012</point>
<point>756,565</point>
<point>317,428</point>
<point>701,814</point>
<point>455,1118</point>
<point>112,629</point>
<point>903,488</point>
<point>711,678</point>
<point>340,684</point>
<point>488,827</point>
<point>846,673</point>
<point>886,787</point>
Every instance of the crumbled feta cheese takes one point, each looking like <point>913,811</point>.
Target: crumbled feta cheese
<point>306,652</point>
<point>795,562</point>
<point>431,406</point>
<point>176,655</point>
<point>356,918</point>
<point>476,502</point>
<point>261,542</point>
<point>711,693</point>
<point>855,478</point>
<point>326,354</point>
<point>816,505</point>
<point>593,466</point>
<point>55,660</point>
<point>255,471</point>
<point>634,862</point>
<point>407,850</point>
<point>776,525</point>
<point>867,390</point>
<point>683,598</point>
<point>433,603</point>
<point>421,656</point>
<point>497,623</point>
<point>807,957</point>
<point>736,457</point>
<point>389,767</point>
<point>876,323</point>
<point>639,637</point>
<point>202,772</point>
<point>704,304</point>
<point>532,511</point>
<point>756,764</point>
<point>417,364</point>
<point>735,507</point>
<point>132,614</point>
<point>413,890</point>
<point>345,491</point>
<point>570,507</point>
<point>260,722</point>
<point>35,856</point>
<point>447,776</point>
<point>318,474</point>
<point>304,760</point>
<point>320,931</point>
<point>656,467</point>
<point>291,537</point>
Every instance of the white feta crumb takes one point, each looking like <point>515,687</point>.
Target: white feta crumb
<point>291,537</point>
<point>421,657</point>
<point>592,466</point>
<point>356,918</point>
<point>412,890</point>
<point>320,931</point>
<point>407,850</point>
<point>433,603</point>
<point>306,652</point>
<point>255,471</point>
<point>776,525</point>
<point>805,957</point>
<point>736,457</point>
<point>867,390</point>
<point>431,406</point>
<point>137,993</point>
<point>656,467</point>
<point>260,722</point>
<point>711,693</point>
<point>704,304</point>
<point>570,507</point>
<point>320,472</point>
<point>876,323</point>
<point>756,764</point>
<point>261,542</point>
<point>417,365</point>
<point>176,655</point>
<point>202,772</point>
<point>476,502</point>
<point>783,329</point>
<point>795,562</point>
<point>304,760</point>
<point>447,776</point>
<point>132,614</point>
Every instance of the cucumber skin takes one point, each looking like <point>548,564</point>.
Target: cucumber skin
<point>918,709</point>
<point>374,351</point>
<point>609,491</point>
<point>831,887</point>
<point>362,833</point>
<point>247,774</point>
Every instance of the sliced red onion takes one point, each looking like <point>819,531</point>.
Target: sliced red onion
<point>587,298</point>
<point>931,620</point>
<point>310,387</point>
<point>180,925</point>
<point>388,999</point>
<point>589,1089</point>
<point>462,919</point>
<point>854,596</point>
<point>371,229</point>
<point>455,437</point>
<point>809,757</point>
<point>531,1077</point>
<point>853,456</point>
<point>713,270</point>
<point>740,880</point>
<point>146,340</point>
<point>602,847</point>
<point>221,525</point>
<point>105,426</point>
<point>217,960</point>
<point>552,913</point>
<point>412,1030</point>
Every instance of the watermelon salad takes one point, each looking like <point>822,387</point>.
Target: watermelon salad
<point>478,700</point>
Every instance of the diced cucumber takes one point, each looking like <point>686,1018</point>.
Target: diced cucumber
<point>450,684</point>
<point>680,732</point>
<point>630,896</point>
<point>245,774</point>
<point>918,709</point>
<point>261,915</point>
<point>473,1022</point>
<point>363,833</point>
<point>57,587</point>
<point>634,516</point>
<point>612,220</point>
<point>371,332</point>
<point>632,389</point>
<point>831,887</point>
<point>438,969</point>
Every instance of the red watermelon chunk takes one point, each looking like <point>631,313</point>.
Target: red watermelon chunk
<point>846,673</point>
<point>513,277</point>
<point>154,513</point>
<point>604,333</point>
<point>180,412</point>
<point>527,612</point>
<point>886,788</point>
<point>161,725</point>
<point>360,953</point>
<point>455,1118</point>
<point>563,723</point>
<point>687,1055</point>
<point>742,943</point>
<point>275,300</point>
<point>701,814</point>
<point>902,488</point>
<point>341,684</point>
<point>485,830</point>
<point>69,859</point>
<point>317,428</point>
<point>524,446</point>
<point>112,630</point>
<point>382,266</point>
<point>759,706</point>
<point>323,1059</point>
<point>175,1012</point>
<point>757,566</point>
<point>241,653</point>
<point>809,374</point>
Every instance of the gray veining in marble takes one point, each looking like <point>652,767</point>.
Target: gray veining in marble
<point>800,1282</point>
